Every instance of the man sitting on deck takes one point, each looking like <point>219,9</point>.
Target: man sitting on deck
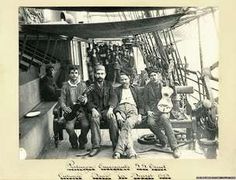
<point>101,102</point>
<point>127,117</point>
<point>72,92</point>
<point>157,119</point>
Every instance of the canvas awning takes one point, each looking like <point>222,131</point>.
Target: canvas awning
<point>105,8</point>
<point>105,30</point>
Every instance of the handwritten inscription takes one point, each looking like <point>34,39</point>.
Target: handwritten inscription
<point>113,168</point>
<point>152,167</point>
<point>157,168</point>
<point>72,166</point>
<point>164,176</point>
<point>143,176</point>
<point>99,176</point>
<point>67,177</point>
<point>141,167</point>
<point>137,171</point>
<point>122,177</point>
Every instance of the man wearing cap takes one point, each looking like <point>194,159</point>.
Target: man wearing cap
<point>48,87</point>
<point>157,119</point>
<point>73,91</point>
<point>127,117</point>
<point>101,102</point>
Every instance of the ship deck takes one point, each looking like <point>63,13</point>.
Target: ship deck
<point>64,150</point>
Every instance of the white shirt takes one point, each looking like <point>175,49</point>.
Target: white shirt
<point>127,97</point>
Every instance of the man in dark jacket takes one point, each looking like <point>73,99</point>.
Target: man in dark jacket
<point>127,116</point>
<point>101,102</point>
<point>157,119</point>
<point>48,87</point>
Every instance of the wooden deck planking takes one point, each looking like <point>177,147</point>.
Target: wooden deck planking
<point>64,150</point>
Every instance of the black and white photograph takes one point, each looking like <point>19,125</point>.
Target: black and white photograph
<point>118,82</point>
<point>117,90</point>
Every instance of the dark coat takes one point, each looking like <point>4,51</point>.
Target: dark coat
<point>152,95</point>
<point>48,89</point>
<point>102,99</point>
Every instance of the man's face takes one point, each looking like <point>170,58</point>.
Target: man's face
<point>51,72</point>
<point>124,80</point>
<point>155,77</point>
<point>74,74</point>
<point>100,75</point>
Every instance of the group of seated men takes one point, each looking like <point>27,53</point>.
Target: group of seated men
<point>120,107</point>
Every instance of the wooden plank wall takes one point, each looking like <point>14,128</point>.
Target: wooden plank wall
<point>29,96</point>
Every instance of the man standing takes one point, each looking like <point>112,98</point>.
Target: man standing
<point>101,102</point>
<point>156,118</point>
<point>127,117</point>
<point>72,92</point>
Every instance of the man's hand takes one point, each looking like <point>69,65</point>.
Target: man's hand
<point>67,109</point>
<point>83,99</point>
<point>95,113</point>
<point>150,113</point>
<point>110,113</point>
<point>120,119</point>
<point>139,118</point>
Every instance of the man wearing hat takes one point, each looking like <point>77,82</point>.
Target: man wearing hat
<point>101,102</point>
<point>157,119</point>
<point>48,87</point>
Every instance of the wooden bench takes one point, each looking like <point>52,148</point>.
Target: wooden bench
<point>36,132</point>
<point>188,123</point>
